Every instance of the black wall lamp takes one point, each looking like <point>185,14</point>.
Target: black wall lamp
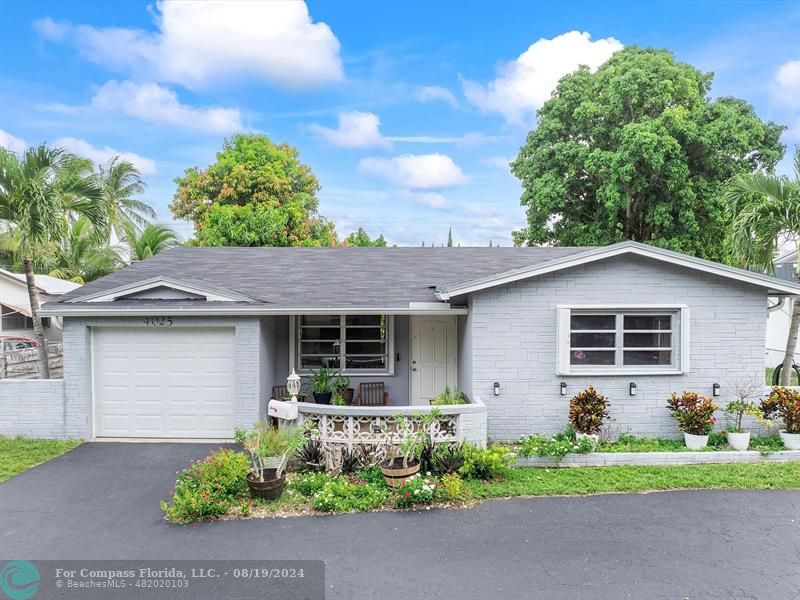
<point>563,388</point>
<point>632,388</point>
<point>715,389</point>
<point>496,388</point>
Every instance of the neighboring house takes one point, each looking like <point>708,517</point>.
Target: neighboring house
<point>15,304</point>
<point>781,315</point>
<point>189,343</point>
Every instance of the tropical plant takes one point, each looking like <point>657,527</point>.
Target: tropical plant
<point>40,192</point>
<point>783,403</point>
<point>587,410</point>
<point>694,413</point>
<point>338,400</point>
<point>448,397</point>
<point>82,255</point>
<point>767,212</point>
<point>448,458</point>
<point>350,461</point>
<point>311,455</point>
<point>120,182</point>
<point>148,241</point>
<point>638,150</point>
<point>320,379</point>
<point>341,382</point>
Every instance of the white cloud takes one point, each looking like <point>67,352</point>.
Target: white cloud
<point>436,93</point>
<point>499,162</point>
<point>355,130</point>
<point>200,43</point>
<point>156,104</point>
<point>11,142</point>
<point>429,199</point>
<point>147,166</point>
<point>415,171</point>
<point>524,84</point>
<point>471,139</point>
<point>786,87</point>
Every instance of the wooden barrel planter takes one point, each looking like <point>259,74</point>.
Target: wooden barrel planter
<point>394,474</point>
<point>270,488</point>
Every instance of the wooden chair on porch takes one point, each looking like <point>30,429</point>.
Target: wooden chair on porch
<point>372,394</point>
<point>279,392</point>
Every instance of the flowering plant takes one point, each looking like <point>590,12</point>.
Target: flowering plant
<point>783,403</point>
<point>416,490</point>
<point>695,414</point>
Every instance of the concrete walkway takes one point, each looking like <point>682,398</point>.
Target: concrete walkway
<point>101,501</point>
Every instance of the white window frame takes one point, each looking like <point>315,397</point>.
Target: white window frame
<point>680,339</point>
<point>294,349</point>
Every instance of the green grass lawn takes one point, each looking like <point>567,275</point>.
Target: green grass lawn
<point>19,454</point>
<point>596,480</point>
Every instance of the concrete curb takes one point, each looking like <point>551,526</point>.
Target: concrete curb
<point>607,459</point>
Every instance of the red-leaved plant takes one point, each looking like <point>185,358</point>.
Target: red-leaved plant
<point>587,411</point>
<point>694,413</point>
<point>783,403</point>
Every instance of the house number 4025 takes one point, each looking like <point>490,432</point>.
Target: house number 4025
<point>158,321</point>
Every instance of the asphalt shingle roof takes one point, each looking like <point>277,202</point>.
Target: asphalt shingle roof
<point>325,277</point>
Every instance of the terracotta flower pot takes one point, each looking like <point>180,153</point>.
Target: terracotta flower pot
<point>395,474</point>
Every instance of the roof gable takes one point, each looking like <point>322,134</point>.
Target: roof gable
<point>164,288</point>
<point>775,286</point>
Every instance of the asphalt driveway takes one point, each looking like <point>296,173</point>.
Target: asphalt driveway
<point>100,501</point>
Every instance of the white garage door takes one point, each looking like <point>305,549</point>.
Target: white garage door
<point>170,382</point>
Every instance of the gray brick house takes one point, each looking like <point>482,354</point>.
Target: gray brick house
<point>190,343</point>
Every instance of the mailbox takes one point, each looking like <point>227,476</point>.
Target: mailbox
<point>282,410</point>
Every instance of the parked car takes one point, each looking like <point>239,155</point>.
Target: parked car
<point>9,343</point>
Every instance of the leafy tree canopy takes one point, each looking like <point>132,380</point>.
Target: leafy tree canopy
<point>638,151</point>
<point>250,169</point>
<point>260,225</point>
<point>361,238</point>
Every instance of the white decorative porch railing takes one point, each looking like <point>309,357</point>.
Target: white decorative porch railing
<point>372,426</point>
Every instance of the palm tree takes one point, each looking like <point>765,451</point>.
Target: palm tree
<point>148,242</point>
<point>39,192</point>
<point>767,211</point>
<point>83,255</point>
<point>121,181</point>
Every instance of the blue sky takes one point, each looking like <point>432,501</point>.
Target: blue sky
<point>408,112</point>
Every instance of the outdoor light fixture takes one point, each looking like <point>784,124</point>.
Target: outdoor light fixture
<point>632,388</point>
<point>496,388</point>
<point>563,388</point>
<point>715,389</point>
<point>376,428</point>
<point>293,385</point>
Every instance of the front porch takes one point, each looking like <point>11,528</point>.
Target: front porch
<point>410,356</point>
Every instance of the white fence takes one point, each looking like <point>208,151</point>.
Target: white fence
<point>24,363</point>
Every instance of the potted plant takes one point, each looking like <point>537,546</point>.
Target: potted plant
<point>695,416</point>
<point>321,384</point>
<point>784,403</point>
<point>341,385</point>
<point>269,449</point>
<point>587,410</point>
<point>738,436</point>
<point>402,461</point>
<point>448,397</point>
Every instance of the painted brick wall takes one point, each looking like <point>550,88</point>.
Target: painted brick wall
<point>78,357</point>
<point>514,343</point>
<point>32,408</point>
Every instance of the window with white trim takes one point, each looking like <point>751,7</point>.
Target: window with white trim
<point>350,343</point>
<point>641,340</point>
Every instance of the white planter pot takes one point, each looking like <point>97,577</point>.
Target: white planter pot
<point>790,440</point>
<point>595,437</point>
<point>695,442</point>
<point>739,441</point>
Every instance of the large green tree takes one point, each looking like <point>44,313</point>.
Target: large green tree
<point>253,183</point>
<point>143,243</point>
<point>83,254</point>
<point>361,238</point>
<point>638,151</point>
<point>41,191</point>
<point>767,212</point>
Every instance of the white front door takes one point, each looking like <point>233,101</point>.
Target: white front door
<point>433,357</point>
<point>169,382</point>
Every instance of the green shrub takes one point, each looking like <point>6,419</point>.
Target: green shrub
<point>416,490</point>
<point>309,484</point>
<point>452,486</point>
<point>208,488</point>
<point>556,447</point>
<point>695,414</point>
<point>486,463</point>
<point>784,404</point>
<point>340,495</point>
